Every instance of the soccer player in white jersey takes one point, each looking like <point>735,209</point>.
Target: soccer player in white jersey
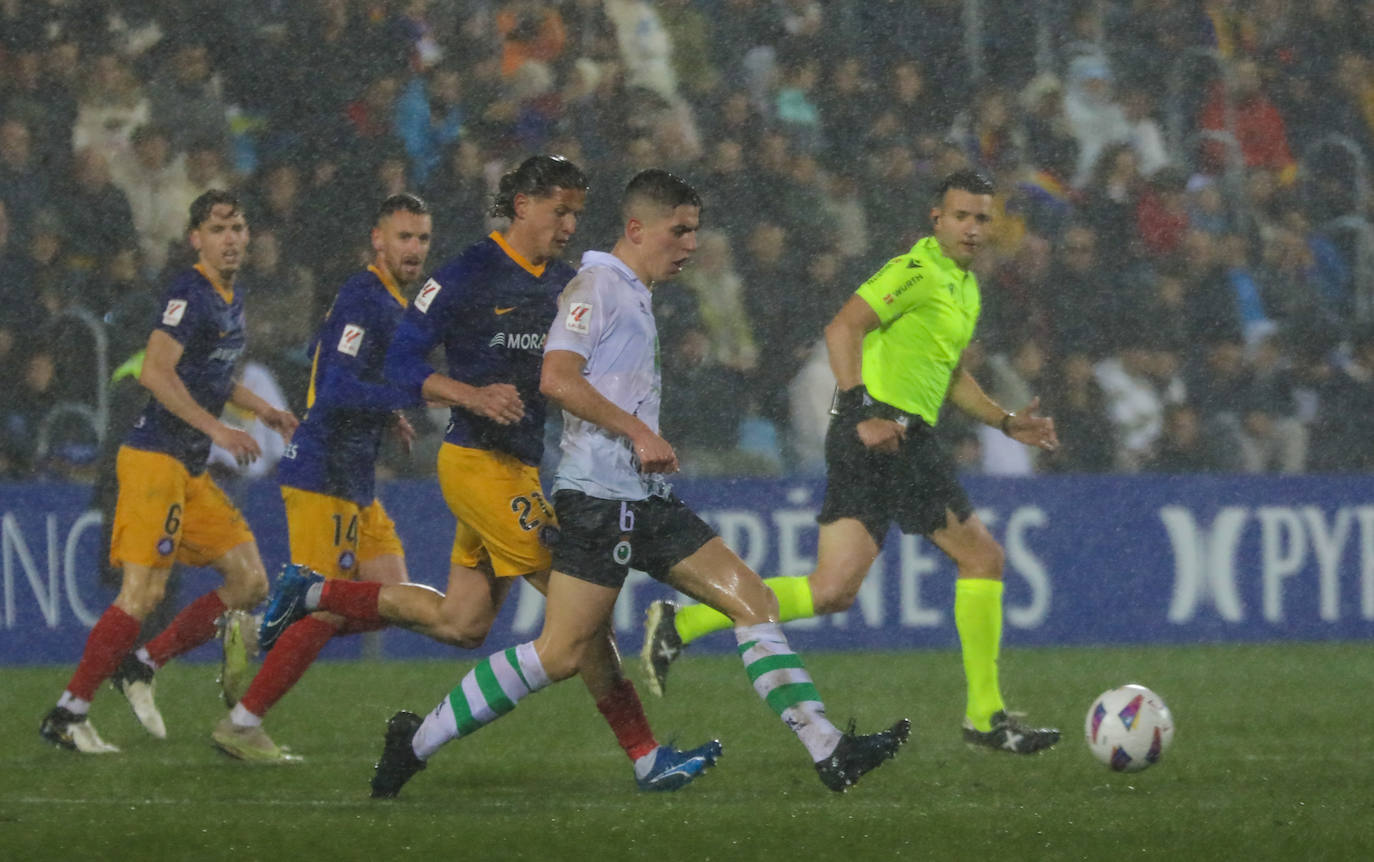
<point>617,510</point>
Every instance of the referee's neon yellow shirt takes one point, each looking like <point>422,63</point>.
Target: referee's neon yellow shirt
<point>927,307</point>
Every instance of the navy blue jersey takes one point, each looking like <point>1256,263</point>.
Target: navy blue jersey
<point>350,404</point>
<point>492,311</point>
<point>206,319</point>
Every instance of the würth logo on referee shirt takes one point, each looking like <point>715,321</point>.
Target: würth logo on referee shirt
<point>426,295</point>
<point>351,339</point>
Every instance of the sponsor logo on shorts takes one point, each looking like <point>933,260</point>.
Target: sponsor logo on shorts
<point>622,552</point>
<point>579,318</point>
<point>347,559</point>
<point>426,295</point>
<point>164,546</point>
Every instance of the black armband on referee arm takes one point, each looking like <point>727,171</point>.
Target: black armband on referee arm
<point>849,403</point>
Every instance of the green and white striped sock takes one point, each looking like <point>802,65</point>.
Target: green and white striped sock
<point>781,680</point>
<point>489,691</point>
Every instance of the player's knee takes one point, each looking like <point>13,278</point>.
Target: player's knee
<point>245,589</point>
<point>141,601</point>
<point>985,560</point>
<point>462,633</point>
<point>831,598</point>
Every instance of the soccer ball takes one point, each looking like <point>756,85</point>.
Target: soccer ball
<point>1129,728</point>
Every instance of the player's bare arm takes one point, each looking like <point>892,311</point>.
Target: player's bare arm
<point>844,339</point>
<point>159,376</point>
<point>1022,425</point>
<point>284,422</point>
<point>561,381</point>
<point>499,402</point>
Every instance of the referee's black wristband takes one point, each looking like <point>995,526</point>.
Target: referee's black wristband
<point>850,402</point>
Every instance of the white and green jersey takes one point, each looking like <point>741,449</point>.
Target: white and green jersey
<point>927,307</point>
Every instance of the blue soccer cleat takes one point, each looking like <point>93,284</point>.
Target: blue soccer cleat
<point>286,604</point>
<point>673,769</point>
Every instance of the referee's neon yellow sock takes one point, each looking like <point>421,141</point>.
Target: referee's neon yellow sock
<point>978,617</point>
<point>794,603</point>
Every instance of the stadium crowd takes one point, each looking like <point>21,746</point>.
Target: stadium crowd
<point>1183,270</point>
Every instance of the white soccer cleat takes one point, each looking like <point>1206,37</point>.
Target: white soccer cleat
<point>135,681</point>
<point>65,729</point>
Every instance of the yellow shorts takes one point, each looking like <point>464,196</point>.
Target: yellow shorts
<point>332,535</point>
<point>501,511</point>
<point>166,515</point>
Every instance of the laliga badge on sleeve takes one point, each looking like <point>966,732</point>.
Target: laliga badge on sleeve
<point>426,295</point>
<point>351,339</point>
<point>579,318</point>
<point>175,309</point>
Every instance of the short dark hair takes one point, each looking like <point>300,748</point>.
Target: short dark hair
<point>658,186</point>
<point>966,180</point>
<point>537,177</point>
<point>202,206</point>
<point>396,203</point>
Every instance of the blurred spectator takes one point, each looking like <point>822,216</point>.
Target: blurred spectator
<point>1111,204</point>
<point>205,169</point>
<point>689,29</point>
<point>530,30</point>
<point>1137,383</point>
<point>30,100</point>
<point>457,193</point>
<point>795,105</point>
<point>910,115</point>
<point>986,132</point>
<point>1094,115</point>
<point>21,315</point>
<point>846,102</point>
<point>147,180</point>
<point>185,97</point>
<point>1162,215</point>
<point>1272,438</point>
<point>24,187</point>
<point>95,213</point>
<point>719,292</point>
<point>1013,378</point>
<point>1206,207</point>
<point>413,29</point>
<point>1079,407</point>
<point>280,298</point>
<point>1258,127</point>
<point>1147,138</point>
<point>22,412</point>
<point>1083,300</point>
<point>429,117</point>
<point>1182,447</point>
<point>1252,311</point>
<point>111,106</point>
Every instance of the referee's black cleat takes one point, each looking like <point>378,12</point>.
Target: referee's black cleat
<point>857,755</point>
<point>398,762</point>
<point>1010,734</point>
<point>661,644</point>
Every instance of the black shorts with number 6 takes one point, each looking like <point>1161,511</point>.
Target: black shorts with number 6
<point>602,539</point>
<point>914,487</point>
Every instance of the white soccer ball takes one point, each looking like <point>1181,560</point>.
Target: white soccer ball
<point>1129,728</point>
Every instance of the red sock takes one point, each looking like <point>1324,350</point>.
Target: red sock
<point>356,600</point>
<point>112,637</point>
<point>355,627</point>
<point>625,714</point>
<point>189,629</point>
<point>286,662</point>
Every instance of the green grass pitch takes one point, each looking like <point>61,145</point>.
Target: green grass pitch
<point>1272,760</point>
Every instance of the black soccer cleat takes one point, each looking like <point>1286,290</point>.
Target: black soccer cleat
<point>857,755</point>
<point>661,644</point>
<point>1010,734</point>
<point>398,762</point>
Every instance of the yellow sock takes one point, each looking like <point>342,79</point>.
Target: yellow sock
<point>978,617</point>
<point>794,603</point>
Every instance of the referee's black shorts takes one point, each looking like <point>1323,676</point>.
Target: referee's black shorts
<point>914,487</point>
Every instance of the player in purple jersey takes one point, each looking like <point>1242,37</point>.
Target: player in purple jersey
<point>335,523</point>
<point>169,509</point>
<point>491,308</point>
